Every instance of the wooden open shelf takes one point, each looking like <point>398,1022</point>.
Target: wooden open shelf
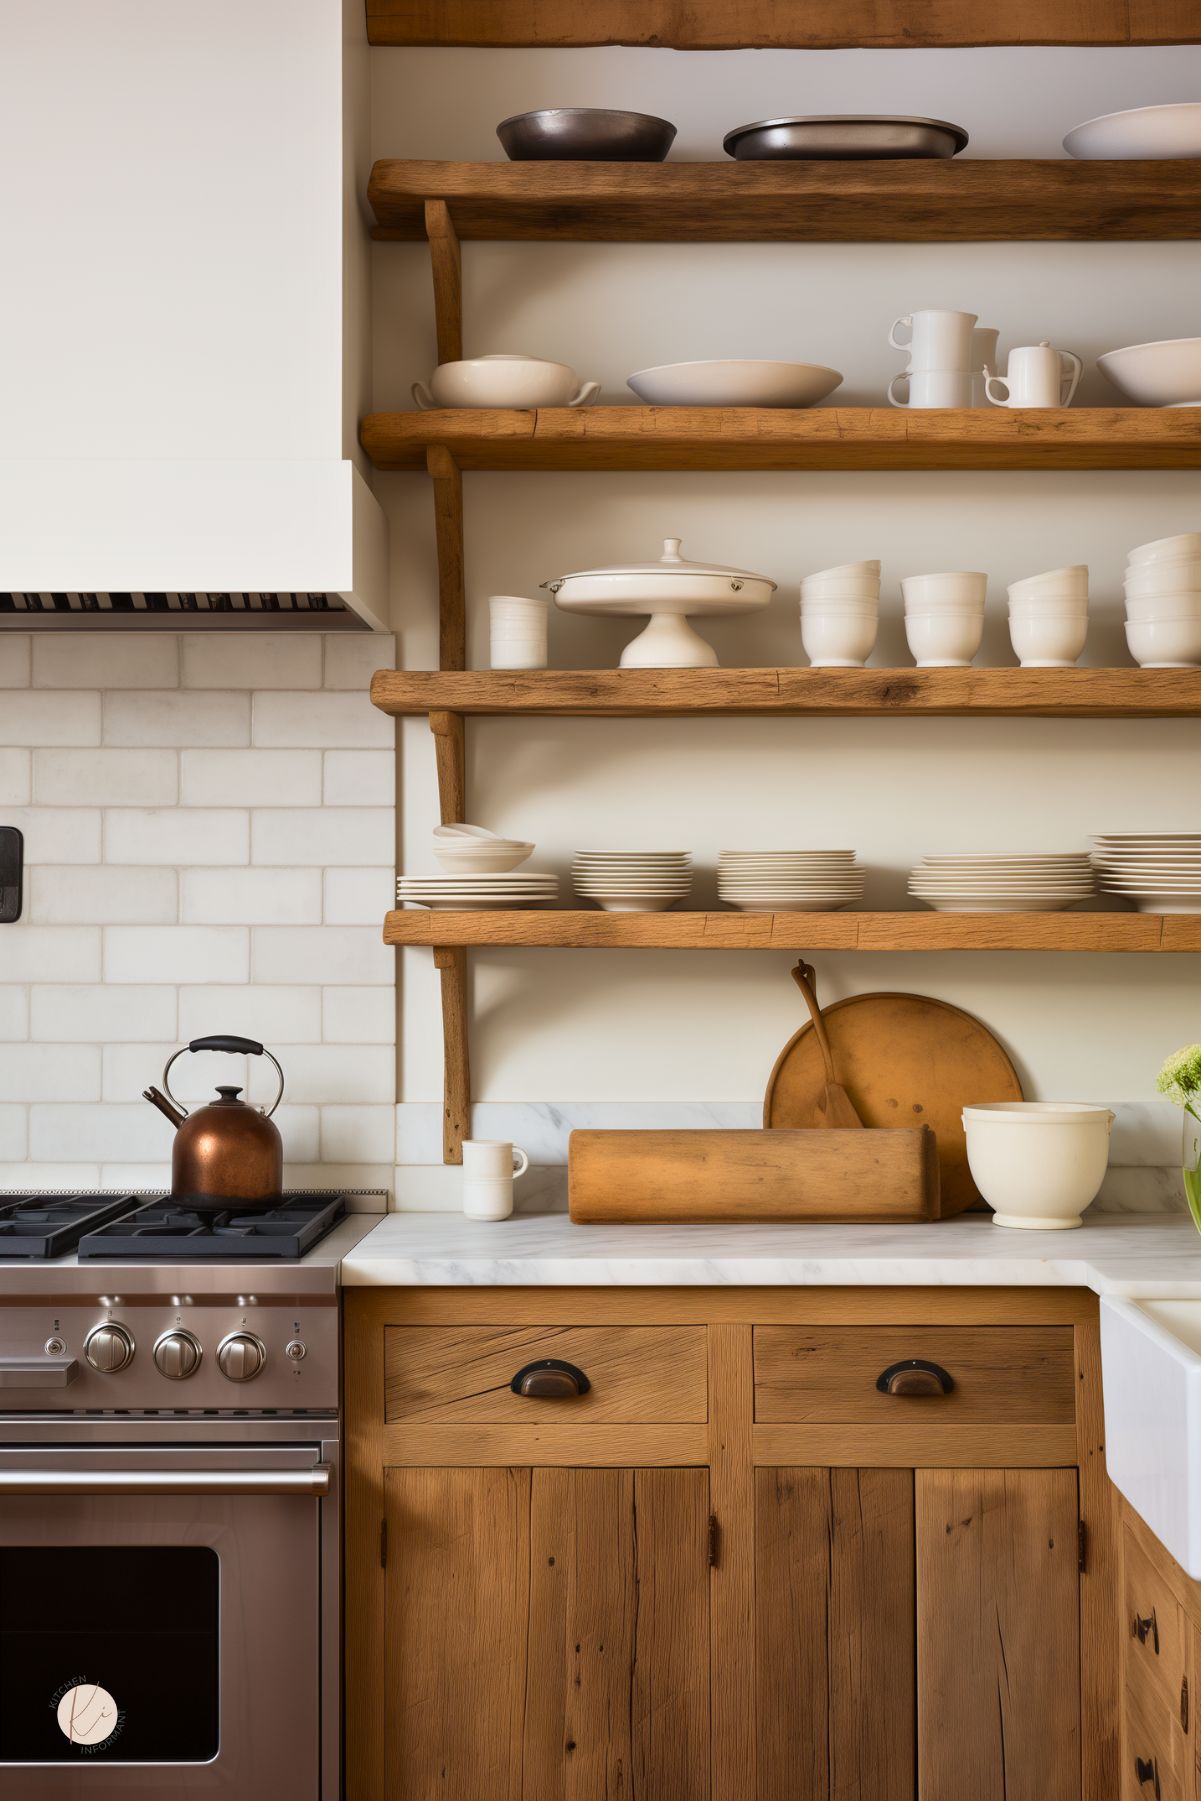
<point>771,24</point>
<point>593,930</point>
<point>851,693</point>
<point>792,202</point>
<point>828,437</point>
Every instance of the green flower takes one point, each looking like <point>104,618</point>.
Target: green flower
<point>1180,1077</point>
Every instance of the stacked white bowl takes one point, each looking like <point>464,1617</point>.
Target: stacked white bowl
<point>1048,617</point>
<point>632,881</point>
<point>474,850</point>
<point>484,871</point>
<point>944,617</point>
<point>840,615</point>
<point>1163,602</point>
<point>1002,882</point>
<point>518,628</point>
<point>789,881</point>
<point>1159,871</point>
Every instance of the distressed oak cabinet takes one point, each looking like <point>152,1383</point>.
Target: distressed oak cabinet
<point>698,1545</point>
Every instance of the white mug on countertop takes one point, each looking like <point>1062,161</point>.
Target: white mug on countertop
<point>1038,375</point>
<point>933,387</point>
<point>490,1167</point>
<point>938,340</point>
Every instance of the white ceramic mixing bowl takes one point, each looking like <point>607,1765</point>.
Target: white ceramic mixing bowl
<point>1038,1164</point>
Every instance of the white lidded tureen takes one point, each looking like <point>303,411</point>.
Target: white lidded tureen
<point>669,590</point>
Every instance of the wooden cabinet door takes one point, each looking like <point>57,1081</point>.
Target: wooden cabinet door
<point>547,1634</point>
<point>998,1635</point>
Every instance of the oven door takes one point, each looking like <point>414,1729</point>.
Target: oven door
<point>160,1615</point>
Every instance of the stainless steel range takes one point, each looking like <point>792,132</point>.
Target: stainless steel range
<point>169,1478</point>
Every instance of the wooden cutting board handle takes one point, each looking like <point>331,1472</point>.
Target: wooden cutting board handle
<point>836,1104</point>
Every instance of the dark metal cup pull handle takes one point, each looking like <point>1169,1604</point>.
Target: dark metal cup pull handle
<point>1146,1769</point>
<point>1148,1628</point>
<point>550,1380</point>
<point>914,1376</point>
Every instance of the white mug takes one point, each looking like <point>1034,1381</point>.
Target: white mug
<point>1038,375</point>
<point>930,387</point>
<point>490,1167</point>
<point>984,355</point>
<point>937,339</point>
<point>518,632</point>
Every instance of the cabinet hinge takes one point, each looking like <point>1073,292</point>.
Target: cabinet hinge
<point>1184,1704</point>
<point>383,1544</point>
<point>1082,1547</point>
<point>714,1540</point>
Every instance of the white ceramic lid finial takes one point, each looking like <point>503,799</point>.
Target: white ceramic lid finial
<point>671,550</point>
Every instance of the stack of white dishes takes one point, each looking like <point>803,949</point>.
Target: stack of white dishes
<point>984,882</point>
<point>1048,617</point>
<point>1163,602</point>
<point>477,893</point>
<point>944,617</point>
<point>1159,871</point>
<point>632,881</point>
<point>789,881</point>
<point>474,850</point>
<point>518,631</point>
<point>840,613</point>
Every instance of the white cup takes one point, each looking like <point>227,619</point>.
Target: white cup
<point>943,640</point>
<point>518,631</point>
<point>1047,640</point>
<point>984,354</point>
<point>932,387</point>
<point>841,639</point>
<point>1038,375</point>
<point>490,1167</point>
<point>938,340</point>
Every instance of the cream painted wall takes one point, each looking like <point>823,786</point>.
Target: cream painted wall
<point>574,1026</point>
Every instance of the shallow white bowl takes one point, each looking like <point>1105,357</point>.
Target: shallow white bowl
<point>735,381</point>
<point>1038,1164</point>
<point>1165,643</point>
<point>504,380</point>
<point>1165,373</point>
<point>481,858</point>
<point>1170,130</point>
<point>1166,550</point>
<point>943,640</point>
<point>785,904</point>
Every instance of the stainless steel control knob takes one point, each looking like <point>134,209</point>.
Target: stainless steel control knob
<point>241,1356</point>
<point>177,1355</point>
<point>108,1348</point>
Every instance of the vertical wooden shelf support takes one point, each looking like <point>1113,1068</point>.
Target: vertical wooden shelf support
<point>452,775</point>
<point>451,962</point>
<point>448,527</point>
<point>447,264</point>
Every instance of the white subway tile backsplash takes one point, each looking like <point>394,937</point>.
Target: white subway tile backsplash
<point>98,1133</point>
<point>239,661</point>
<point>14,1012</point>
<point>251,778</point>
<point>16,778</point>
<point>356,1134</point>
<point>104,778</point>
<point>57,834</point>
<point>29,718</point>
<point>102,896</point>
<point>132,1178</point>
<point>251,896</point>
<point>350,662</point>
<point>330,836</point>
<point>300,1129</point>
<point>331,1074</point>
<point>347,1177</point>
<point>127,1069</point>
<point>14,1136</point>
<point>66,1014</point>
<point>271,1015</point>
<point>329,955</point>
<point>358,1016</point>
<point>358,897</point>
<point>335,721</point>
<point>17,1178</point>
<point>176,954</point>
<point>15,660</point>
<point>359,778</point>
<point>51,953</point>
<point>50,1072</point>
<point>155,720</point>
<point>92,660</point>
<point>181,836</point>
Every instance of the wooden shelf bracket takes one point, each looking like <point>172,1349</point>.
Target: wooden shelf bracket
<point>451,962</point>
<point>447,267</point>
<point>447,483</point>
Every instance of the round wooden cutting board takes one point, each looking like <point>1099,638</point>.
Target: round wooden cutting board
<point>904,1060</point>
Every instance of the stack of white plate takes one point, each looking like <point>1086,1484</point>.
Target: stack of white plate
<point>1159,871</point>
<point>632,881</point>
<point>984,882</point>
<point>789,881</point>
<point>477,893</point>
<point>1163,602</point>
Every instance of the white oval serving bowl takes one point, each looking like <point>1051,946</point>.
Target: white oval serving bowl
<point>735,381</point>
<point>1038,1164</point>
<point>1139,132</point>
<point>502,380</point>
<point>1166,373</point>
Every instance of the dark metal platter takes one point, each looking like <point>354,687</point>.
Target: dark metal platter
<point>844,137</point>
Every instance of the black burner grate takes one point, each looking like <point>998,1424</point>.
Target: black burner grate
<point>40,1226</point>
<point>162,1231</point>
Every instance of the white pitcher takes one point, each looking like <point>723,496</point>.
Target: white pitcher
<point>1038,375</point>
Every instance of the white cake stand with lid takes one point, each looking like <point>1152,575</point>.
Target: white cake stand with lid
<point>670,591</point>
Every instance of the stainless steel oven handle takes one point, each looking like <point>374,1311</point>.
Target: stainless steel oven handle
<point>305,1482</point>
<point>37,1372</point>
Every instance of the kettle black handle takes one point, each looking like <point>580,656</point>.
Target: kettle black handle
<point>224,1041</point>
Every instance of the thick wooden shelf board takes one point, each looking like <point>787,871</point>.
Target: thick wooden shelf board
<point>780,24</point>
<point>799,931</point>
<point>685,438</point>
<point>793,202</point>
<point>867,693</point>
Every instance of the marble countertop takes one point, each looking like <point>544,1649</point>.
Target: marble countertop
<point>1119,1254</point>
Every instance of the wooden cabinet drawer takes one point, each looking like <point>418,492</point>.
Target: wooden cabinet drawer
<point>1155,1762</point>
<point>999,1374</point>
<point>1156,1656</point>
<point>461,1374</point>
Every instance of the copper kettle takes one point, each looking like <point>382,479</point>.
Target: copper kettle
<point>227,1153</point>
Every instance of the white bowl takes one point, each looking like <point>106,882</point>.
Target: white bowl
<point>964,587</point>
<point>1053,581</point>
<point>839,609</point>
<point>501,380</point>
<point>1165,643</point>
<point>943,640</point>
<point>841,587</point>
<point>480,858</point>
<point>735,381</point>
<point>1171,130</point>
<point>1164,606</point>
<point>1166,373</point>
<point>1166,550</point>
<point>1180,576</point>
<point>869,568</point>
<point>1051,642</point>
<point>1038,1164</point>
<point>1039,606</point>
<point>838,640</point>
